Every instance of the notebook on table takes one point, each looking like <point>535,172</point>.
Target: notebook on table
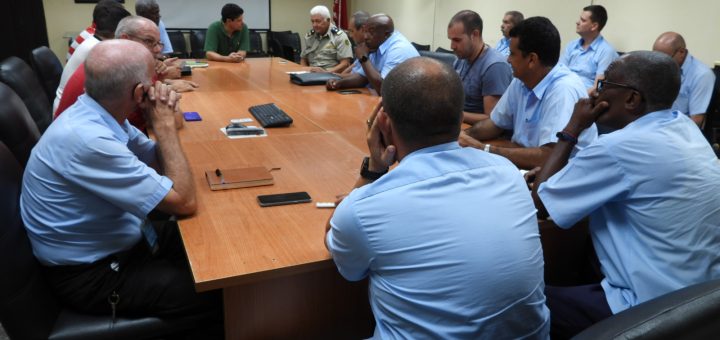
<point>221,179</point>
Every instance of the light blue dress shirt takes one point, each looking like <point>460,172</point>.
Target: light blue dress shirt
<point>165,39</point>
<point>591,62</point>
<point>393,51</point>
<point>652,190</point>
<point>87,187</point>
<point>450,241</point>
<point>696,87</point>
<point>503,46</point>
<point>537,115</point>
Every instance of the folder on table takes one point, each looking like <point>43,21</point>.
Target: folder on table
<point>221,179</point>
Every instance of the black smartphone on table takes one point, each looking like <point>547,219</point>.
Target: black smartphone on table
<point>282,199</point>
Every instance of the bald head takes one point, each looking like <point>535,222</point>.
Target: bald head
<point>141,30</point>
<point>672,44</point>
<point>114,67</point>
<point>378,28</point>
<point>428,114</point>
<point>382,21</point>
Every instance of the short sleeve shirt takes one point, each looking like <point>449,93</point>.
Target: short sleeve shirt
<point>503,46</point>
<point>535,116</point>
<point>489,75</point>
<point>88,187</point>
<point>652,191</point>
<point>216,39</point>
<point>591,62</point>
<point>165,39</point>
<point>328,50</point>
<point>389,54</point>
<point>696,87</point>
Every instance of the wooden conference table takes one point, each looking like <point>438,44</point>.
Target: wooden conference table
<point>278,280</point>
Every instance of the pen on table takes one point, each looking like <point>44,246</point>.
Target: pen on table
<point>220,174</point>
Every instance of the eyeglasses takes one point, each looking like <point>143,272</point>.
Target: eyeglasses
<point>602,82</point>
<point>151,43</point>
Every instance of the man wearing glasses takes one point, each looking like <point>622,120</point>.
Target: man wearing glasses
<point>144,31</point>
<point>651,189</point>
<point>696,79</point>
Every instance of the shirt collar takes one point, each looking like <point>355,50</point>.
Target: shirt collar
<point>686,64</point>
<point>327,34</point>
<point>594,45</point>
<point>119,131</point>
<point>386,44</point>
<point>542,86</point>
<point>435,148</point>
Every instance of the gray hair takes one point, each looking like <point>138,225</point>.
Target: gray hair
<point>654,74</point>
<point>321,11</point>
<point>360,18</point>
<point>145,5</point>
<point>132,25</point>
<point>114,67</point>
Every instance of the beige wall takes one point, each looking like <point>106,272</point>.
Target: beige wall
<point>633,24</point>
<point>65,16</point>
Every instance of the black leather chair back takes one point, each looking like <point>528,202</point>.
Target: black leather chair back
<point>256,48</point>
<point>48,68</point>
<point>689,313</point>
<point>197,43</point>
<point>711,130</point>
<point>20,77</point>
<point>440,49</point>
<point>17,129</point>
<point>177,39</point>
<point>420,47</point>
<point>446,58</point>
<point>285,44</point>
<point>27,309</point>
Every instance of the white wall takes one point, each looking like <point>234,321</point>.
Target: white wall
<point>632,24</point>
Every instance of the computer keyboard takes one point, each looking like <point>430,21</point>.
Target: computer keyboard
<point>269,115</point>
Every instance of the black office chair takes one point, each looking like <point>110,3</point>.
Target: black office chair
<point>420,47</point>
<point>197,43</point>
<point>48,68</point>
<point>256,48</point>
<point>442,50</point>
<point>28,310</point>
<point>177,39</point>
<point>17,129</point>
<point>446,58</point>
<point>285,44</point>
<point>711,130</point>
<point>689,313</point>
<point>20,77</point>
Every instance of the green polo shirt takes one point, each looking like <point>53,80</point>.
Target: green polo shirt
<point>217,40</point>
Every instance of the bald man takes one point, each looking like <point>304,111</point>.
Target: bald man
<point>697,80</point>
<point>384,48</point>
<point>436,270</point>
<point>91,182</point>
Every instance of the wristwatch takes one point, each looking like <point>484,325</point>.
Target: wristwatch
<point>565,136</point>
<point>367,174</point>
<point>363,59</point>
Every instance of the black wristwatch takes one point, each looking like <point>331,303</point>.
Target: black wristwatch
<point>367,174</point>
<point>363,59</point>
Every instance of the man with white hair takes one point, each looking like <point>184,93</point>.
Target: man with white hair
<point>327,48</point>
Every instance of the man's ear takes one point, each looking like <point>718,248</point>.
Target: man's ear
<point>385,126</point>
<point>634,101</point>
<point>138,93</point>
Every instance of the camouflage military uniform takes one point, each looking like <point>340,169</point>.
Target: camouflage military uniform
<point>328,50</point>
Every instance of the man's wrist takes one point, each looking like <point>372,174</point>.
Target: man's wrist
<point>369,170</point>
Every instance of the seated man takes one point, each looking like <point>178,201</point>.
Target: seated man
<point>651,189</point>
<point>589,55</point>
<point>106,16</point>
<point>90,183</point>
<point>484,72</point>
<point>356,29</point>
<point>510,20</point>
<point>384,49</point>
<point>151,10</point>
<point>436,270</point>
<point>327,48</point>
<point>697,81</point>
<point>537,103</point>
<point>145,32</point>
<point>228,40</point>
